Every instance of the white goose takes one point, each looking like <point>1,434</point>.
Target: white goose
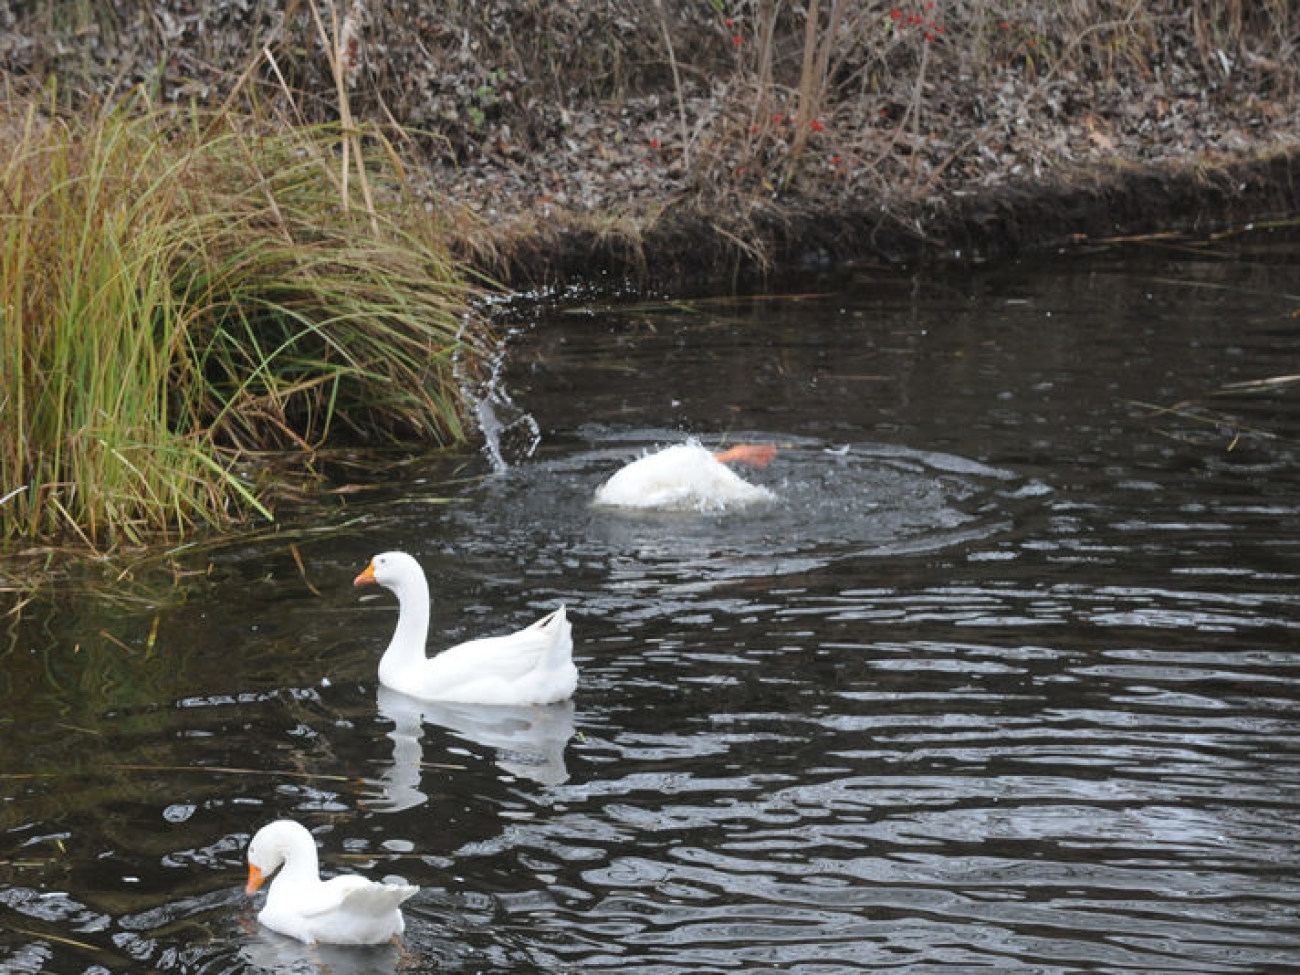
<point>531,666</point>
<point>346,910</point>
<point>687,477</point>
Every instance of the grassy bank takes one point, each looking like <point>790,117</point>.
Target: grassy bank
<point>179,290</point>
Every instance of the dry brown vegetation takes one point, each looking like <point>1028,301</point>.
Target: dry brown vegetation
<point>558,137</point>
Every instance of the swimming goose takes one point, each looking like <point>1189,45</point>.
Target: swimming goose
<point>687,477</point>
<point>530,666</point>
<point>345,910</point>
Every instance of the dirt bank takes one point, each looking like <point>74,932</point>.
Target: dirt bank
<point>1003,221</point>
<point>652,141</point>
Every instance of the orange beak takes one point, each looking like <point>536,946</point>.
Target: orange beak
<point>367,576</point>
<point>756,454</point>
<point>255,879</point>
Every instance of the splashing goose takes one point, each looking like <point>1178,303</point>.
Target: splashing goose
<point>687,477</point>
<point>531,666</point>
<point>345,910</point>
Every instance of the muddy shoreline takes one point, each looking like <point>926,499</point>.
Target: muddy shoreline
<point>693,247</point>
<point>661,144</point>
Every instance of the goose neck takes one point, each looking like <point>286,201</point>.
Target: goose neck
<point>412,631</point>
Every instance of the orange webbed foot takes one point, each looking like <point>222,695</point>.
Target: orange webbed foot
<point>756,454</point>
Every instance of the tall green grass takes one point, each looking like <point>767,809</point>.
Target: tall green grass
<point>176,292</point>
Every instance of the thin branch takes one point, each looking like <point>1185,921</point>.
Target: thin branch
<point>677,84</point>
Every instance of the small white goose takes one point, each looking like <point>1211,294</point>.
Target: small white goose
<point>531,666</point>
<point>687,477</point>
<point>346,910</point>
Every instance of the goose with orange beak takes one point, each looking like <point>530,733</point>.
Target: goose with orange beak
<point>530,666</point>
<point>344,910</point>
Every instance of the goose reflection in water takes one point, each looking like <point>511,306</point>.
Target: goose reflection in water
<point>266,951</point>
<point>529,741</point>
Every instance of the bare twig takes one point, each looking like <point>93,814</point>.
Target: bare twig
<point>302,570</point>
<point>334,51</point>
<point>677,83</point>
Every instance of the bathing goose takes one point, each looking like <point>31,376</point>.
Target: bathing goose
<point>687,477</point>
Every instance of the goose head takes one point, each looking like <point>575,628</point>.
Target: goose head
<point>395,571</point>
<point>275,845</point>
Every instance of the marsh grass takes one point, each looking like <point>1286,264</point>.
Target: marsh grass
<point>179,290</point>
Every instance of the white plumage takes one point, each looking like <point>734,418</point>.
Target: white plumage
<point>530,666</point>
<point>345,910</point>
<point>687,477</point>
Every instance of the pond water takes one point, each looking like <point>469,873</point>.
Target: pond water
<point>1007,677</point>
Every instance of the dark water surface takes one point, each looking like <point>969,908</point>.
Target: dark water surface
<point>1008,678</point>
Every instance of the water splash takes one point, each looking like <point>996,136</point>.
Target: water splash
<point>510,433</point>
<point>830,502</point>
